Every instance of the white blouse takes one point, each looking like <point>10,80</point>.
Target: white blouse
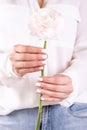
<point>67,55</point>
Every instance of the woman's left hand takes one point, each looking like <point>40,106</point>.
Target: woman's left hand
<point>54,88</point>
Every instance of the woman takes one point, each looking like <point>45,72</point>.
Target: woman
<point>64,89</point>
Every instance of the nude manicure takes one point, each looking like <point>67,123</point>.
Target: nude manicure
<point>38,91</point>
<point>44,62</point>
<point>40,79</point>
<point>38,84</point>
<point>44,56</point>
<point>44,50</point>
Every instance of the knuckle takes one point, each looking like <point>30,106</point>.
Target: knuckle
<point>20,72</point>
<point>17,56</point>
<point>65,96</point>
<point>13,65</point>
<point>11,57</point>
<point>70,89</point>
<point>17,71</point>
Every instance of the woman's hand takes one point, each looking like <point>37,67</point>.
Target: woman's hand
<point>54,88</point>
<point>27,59</point>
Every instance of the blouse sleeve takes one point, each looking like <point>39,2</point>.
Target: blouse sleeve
<point>78,66</point>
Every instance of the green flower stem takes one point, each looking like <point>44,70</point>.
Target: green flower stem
<point>40,101</point>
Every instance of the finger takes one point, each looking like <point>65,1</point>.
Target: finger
<point>59,79</point>
<point>30,64</point>
<point>57,88</point>
<point>27,57</point>
<point>50,99</point>
<point>22,72</point>
<point>28,49</point>
<point>52,93</point>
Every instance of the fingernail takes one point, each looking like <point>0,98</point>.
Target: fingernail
<point>42,98</point>
<point>44,50</point>
<point>38,91</point>
<point>40,79</point>
<point>41,68</point>
<point>44,56</point>
<point>44,62</point>
<point>38,84</point>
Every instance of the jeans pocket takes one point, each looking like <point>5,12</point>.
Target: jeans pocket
<point>78,110</point>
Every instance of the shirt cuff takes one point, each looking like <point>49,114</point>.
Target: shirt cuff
<point>10,72</point>
<point>72,98</point>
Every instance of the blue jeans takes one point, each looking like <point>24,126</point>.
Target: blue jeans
<point>54,117</point>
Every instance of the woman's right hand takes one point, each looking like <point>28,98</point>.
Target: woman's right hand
<point>26,59</point>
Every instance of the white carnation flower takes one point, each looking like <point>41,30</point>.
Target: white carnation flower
<point>46,24</point>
